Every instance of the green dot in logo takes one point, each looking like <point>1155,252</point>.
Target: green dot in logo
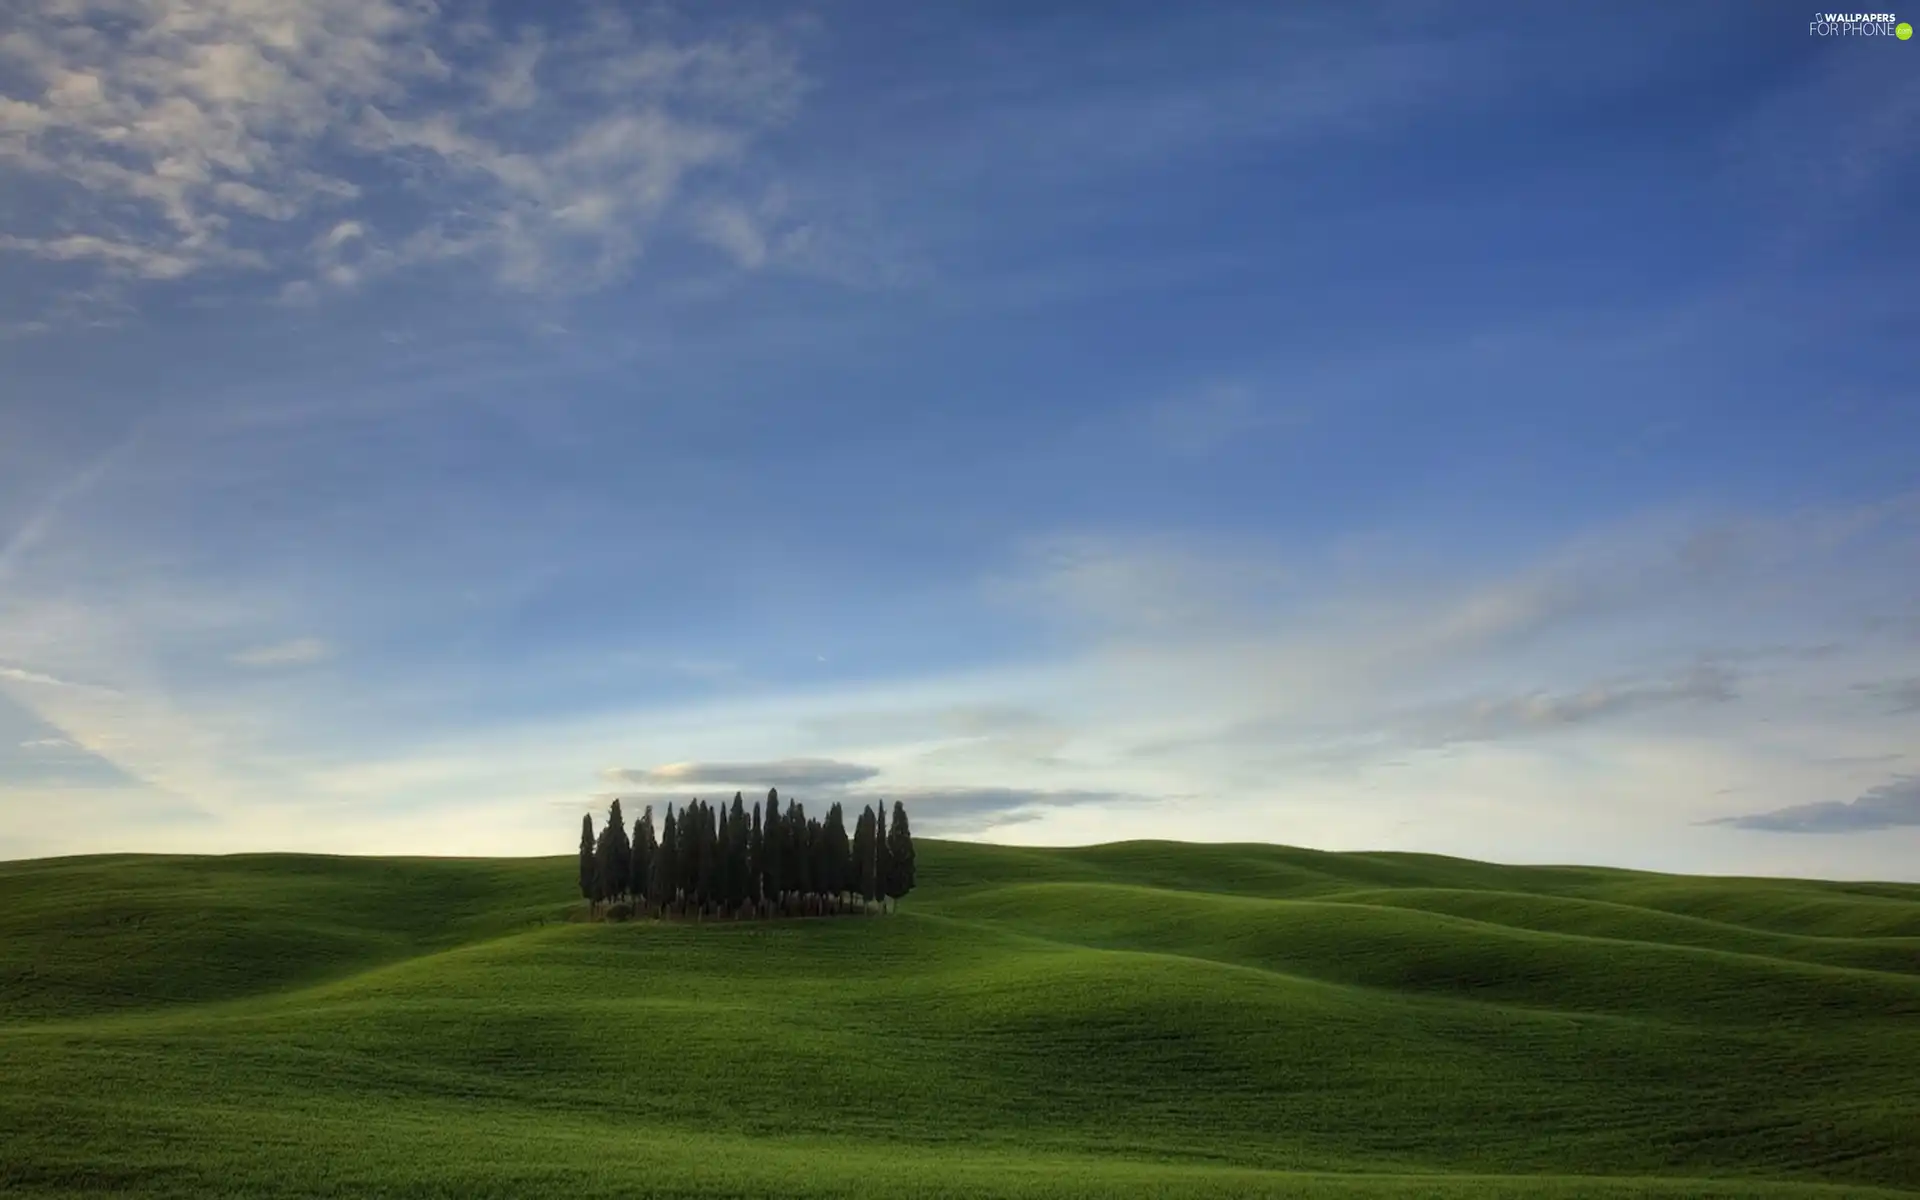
<point>1903,31</point>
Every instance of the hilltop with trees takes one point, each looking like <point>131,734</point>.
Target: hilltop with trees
<point>740,862</point>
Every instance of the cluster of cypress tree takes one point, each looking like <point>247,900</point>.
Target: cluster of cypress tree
<point>733,861</point>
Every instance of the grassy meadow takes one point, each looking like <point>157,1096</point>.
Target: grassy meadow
<point>1147,1019</point>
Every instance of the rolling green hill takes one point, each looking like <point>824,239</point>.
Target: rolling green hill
<point>1144,1019</point>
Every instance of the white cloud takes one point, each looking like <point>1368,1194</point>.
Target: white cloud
<point>296,653</point>
<point>733,229</point>
<point>144,261</point>
<point>42,679</point>
<point>247,135</point>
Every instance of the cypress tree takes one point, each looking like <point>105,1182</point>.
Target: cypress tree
<point>776,849</point>
<point>817,855</point>
<point>589,865</point>
<point>802,853</point>
<point>666,864</point>
<point>899,855</point>
<point>714,863</point>
<point>708,835</point>
<point>689,851</point>
<point>619,852</point>
<point>756,858</point>
<point>691,828</point>
<point>700,855</point>
<point>736,861</point>
<point>880,868</point>
<point>640,877</point>
<point>606,869</point>
<point>723,857</point>
<point>636,866</point>
<point>863,852</point>
<point>737,882</point>
<point>838,856</point>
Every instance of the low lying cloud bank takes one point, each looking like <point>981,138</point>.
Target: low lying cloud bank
<point>785,772</point>
<point>819,782</point>
<point>1892,805</point>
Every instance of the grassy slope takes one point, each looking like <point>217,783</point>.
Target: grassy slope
<point>1146,1017</point>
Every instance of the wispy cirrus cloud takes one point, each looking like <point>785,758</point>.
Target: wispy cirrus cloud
<point>298,652</point>
<point>1900,695</point>
<point>1386,732</point>
<point>1197,422</point>
<point>1706,682</point>
<point>975,720</point>
<point>323,142</point>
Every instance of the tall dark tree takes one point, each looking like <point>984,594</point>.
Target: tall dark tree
<point>838,854</point>
<point>817,855</point>
<point>723,856</point>
<point>775,848</point>
<point>880,867</point>
<point>607,862</point>
<point>619,851</point>
<point>693,831</point>
<point>899,854</point>
<point>589,863</point>
<point>863,852</point>
<point>724,872</point>
<point>689,851</point>
<point>738,882</point>
<point>666,865</point>
<point>640,874</point>
<point>799,853</point>
<point>756,858</point>
<point>703,868</point>
<point>709,854</point>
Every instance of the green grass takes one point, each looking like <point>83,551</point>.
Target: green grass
<point>1143,1019</point>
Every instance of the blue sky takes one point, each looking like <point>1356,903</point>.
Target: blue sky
<point>1487,430</point>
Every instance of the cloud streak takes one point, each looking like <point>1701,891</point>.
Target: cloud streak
<point>1199,422</point>
<point>962,810</point>
<point>1901,695</point>
<point>299,652</point>
<point>1892,805</point>
<point>936,811</point>
<point>42,679</point>
<point>786,772</point>
<point>1542,712</point>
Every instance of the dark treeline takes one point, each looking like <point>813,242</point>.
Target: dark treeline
<point>732,861</point>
